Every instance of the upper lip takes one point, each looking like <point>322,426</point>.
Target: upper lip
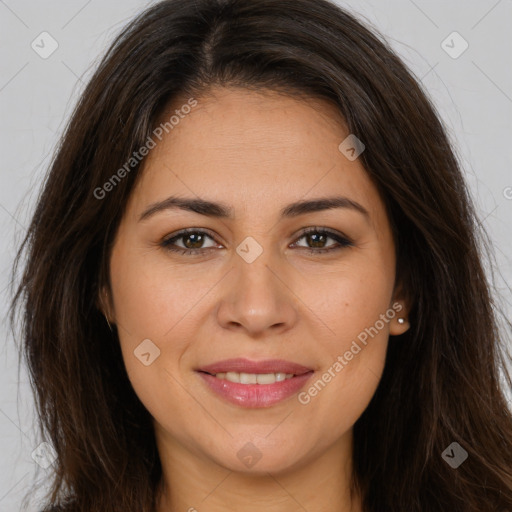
<point>241,365</point>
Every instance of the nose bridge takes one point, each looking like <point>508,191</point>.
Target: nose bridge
<point>255,277</point>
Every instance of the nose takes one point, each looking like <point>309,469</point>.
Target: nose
<point>258,297</point>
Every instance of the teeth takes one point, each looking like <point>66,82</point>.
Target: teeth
<point>253,378</point>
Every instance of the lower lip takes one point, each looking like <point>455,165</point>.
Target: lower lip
<point>255,395</point>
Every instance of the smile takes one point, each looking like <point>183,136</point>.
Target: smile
<point>262,384</point>
<point>254,378</point>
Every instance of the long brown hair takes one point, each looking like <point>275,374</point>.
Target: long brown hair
<point>441,382</point>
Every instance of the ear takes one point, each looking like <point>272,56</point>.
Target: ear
<point>401,305</point>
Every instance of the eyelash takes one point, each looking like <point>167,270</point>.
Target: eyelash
<point>341,240</point>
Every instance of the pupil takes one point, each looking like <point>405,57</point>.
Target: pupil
<point>317,243</point>
<point>197,244</point>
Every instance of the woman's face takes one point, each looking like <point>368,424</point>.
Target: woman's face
<point>254,288</point>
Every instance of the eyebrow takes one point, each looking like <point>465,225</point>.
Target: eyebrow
<point>222,211</point>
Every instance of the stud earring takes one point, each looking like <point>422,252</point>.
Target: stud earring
<point>401,321</point>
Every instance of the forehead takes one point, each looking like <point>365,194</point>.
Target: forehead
<point>236,121</point>
<point>256,151</point>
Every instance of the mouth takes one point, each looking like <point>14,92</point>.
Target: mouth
<point>255,384</point>
<point>252,378</point>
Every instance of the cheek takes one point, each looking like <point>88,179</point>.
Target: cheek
<point>151,316</point>
<point>352,298</point>
<point>344,386</point>
<point>356,308</point>
<point>149,296</point>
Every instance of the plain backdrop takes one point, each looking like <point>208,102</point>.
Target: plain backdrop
<point>472,92</point>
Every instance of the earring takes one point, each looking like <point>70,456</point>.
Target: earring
<point>401,321</point>
<point>110,327</point>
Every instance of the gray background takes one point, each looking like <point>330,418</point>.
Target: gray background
<point>473,94</point>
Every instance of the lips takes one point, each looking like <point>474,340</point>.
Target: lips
<point>241,365</point>
<point>255,395</point>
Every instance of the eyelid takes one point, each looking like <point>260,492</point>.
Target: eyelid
<point>301,233</point>
<point>342,240</point>
<point>321,229</point>
<point>185,231</point>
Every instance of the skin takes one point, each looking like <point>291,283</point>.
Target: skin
<point>254,152</point>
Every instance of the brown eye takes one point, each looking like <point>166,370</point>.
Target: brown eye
<point>316,239</point>
<point>193,241</point>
